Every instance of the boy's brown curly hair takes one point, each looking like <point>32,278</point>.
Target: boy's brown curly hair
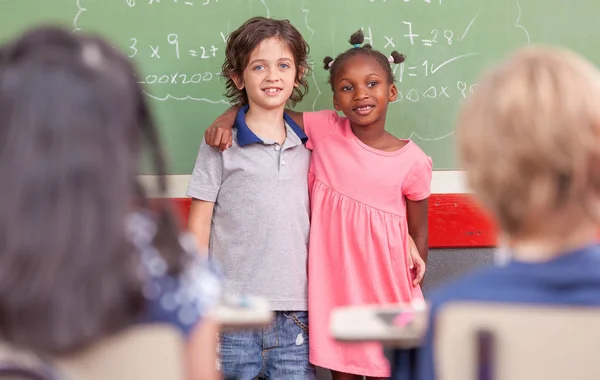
<point>246,38</point>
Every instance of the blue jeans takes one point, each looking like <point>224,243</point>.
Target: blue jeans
<point>277,352</point>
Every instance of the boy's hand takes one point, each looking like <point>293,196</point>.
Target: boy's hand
<point>218,134</point>
<point>416,263</point>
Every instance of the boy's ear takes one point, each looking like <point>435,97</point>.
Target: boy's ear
<point>301,74</point>
<point>239,83</point>
<point>393,93</point>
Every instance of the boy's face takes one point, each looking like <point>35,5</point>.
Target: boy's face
<point>270,76</point>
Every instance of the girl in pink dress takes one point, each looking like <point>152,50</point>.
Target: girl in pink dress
<point>369,195</point>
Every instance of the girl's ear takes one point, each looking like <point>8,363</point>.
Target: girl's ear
<point>336,105</point>
<point>393,93</point>
<point>239,83</point>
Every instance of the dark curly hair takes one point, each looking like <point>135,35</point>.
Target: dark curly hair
<point>246,38</point>
<point>356,39</point>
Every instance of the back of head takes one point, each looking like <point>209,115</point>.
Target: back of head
<point>247,37</point>
<point>72,117</point>
<point>529,140</point>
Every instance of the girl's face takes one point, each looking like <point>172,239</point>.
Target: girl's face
<point>362,91</point>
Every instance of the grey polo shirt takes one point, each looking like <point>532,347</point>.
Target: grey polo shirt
<point>260,223</point>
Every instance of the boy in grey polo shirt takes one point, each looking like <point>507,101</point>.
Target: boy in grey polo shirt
<point>250,205</point>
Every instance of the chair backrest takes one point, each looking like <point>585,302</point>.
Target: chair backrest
<point>149,352</point>
<point>477,341</point>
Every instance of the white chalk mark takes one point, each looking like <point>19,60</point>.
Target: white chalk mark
<point>224,36</point>
<point>312,32</point>
<point>80,10</point>
<point>468,27</point>
<point>412,95</point>
<point>401,75</point>
<point>267,8</point>
<point>433,70</point>
<point>154,51</point>
<point>169,96</point>
<point>414,134</point>
<point>411,36</point>
<point>316,85</point>
<point>389,41</point>
<point>518,25</point>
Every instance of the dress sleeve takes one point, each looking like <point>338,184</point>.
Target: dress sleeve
<point>417,185</point>
<point>317,125</point>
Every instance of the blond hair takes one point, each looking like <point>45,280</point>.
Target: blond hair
<point>528,138</point>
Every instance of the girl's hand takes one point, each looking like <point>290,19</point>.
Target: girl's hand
<point>415,262</point>
<point>218,134</point>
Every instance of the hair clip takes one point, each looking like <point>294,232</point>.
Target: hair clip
<point>356,45</point>
<point>396,58</point>
<point>331,63</point>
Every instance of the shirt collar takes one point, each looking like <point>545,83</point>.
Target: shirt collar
<point>245,136</point>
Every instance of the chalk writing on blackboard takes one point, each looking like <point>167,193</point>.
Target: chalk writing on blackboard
<point>180,62</point>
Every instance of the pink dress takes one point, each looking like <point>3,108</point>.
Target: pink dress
<point>359,234</point>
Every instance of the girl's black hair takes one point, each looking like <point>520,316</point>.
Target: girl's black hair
<point>73,122</point>
<point>357,39</point>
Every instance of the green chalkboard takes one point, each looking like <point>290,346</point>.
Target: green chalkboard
<point>178,47</point>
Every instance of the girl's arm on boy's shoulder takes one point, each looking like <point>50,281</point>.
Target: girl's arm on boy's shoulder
<point>218,134</point>
<point>298,117</point>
